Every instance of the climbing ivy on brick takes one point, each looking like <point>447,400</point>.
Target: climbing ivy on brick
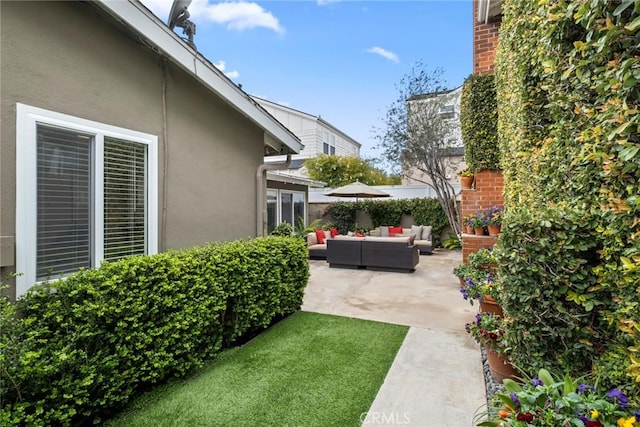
<point>568,86</point>
<point>479,123</point>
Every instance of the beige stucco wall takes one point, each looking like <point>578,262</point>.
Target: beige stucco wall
<point>68,58</point>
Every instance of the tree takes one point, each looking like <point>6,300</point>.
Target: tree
<point>417,136</point>
<point>337,171</point>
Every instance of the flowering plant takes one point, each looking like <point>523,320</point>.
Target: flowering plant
<point>482,257</point>
<point>493,215</point>
<point>488,330</point>
<point>477,284</point>
<point>465,172</point>
<point>478,220</point>
<point>545,402</point>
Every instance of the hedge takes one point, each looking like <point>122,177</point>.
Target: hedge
<point>568,84</point>
<point>80,348</point>
<point>479,123</point>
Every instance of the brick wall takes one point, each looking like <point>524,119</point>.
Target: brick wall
<point>485,42</point>
<point>487,192</point>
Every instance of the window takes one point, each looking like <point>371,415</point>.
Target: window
<point>86,192</point>
<point>328,143</point>
<point>284,206</point>
<point>272,210</point>
<point>447,112</point>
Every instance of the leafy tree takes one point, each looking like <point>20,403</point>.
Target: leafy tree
<point>337,171</point>
<point>416,136</point>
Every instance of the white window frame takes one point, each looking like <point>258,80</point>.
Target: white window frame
<point>27,119</point>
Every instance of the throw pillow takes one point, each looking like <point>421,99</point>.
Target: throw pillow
<point>393,234</point>
<point>320,236</point>
<point>384,231</point>
<point>359,235</point>
<point>412,238</point>
<point>397,230</point>
<point>416,231</point>
<point>327,234</point>
<point>334,232</point>
<point>426,232</point>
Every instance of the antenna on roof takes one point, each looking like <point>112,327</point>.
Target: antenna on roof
<point>179,17</point>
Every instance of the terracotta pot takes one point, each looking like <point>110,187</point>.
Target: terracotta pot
<point>461,281</point>
<point>499,366</point>
<point>489,305</point>
<point>494,230</point>
<point>479,231</point>
<point>466,182</point>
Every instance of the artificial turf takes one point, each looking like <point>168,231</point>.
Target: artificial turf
<point>307,370</point>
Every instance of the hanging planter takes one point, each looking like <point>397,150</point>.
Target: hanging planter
<point>466,179</point>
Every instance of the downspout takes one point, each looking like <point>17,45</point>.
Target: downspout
<point>261,187</point>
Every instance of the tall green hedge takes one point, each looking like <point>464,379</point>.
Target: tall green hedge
<point>479,123</point>
<point>568,79</point>
<point>82,347</point>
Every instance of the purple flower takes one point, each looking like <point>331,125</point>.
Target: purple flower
<point>536,382</point>
<point>584,419</point>
<point>637,415</point>
<point>617,394</point>
<point>514,398</point>
<point>583,388</point>
<point>463,291</point>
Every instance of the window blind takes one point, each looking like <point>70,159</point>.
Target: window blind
<point>124,198</point>
<point>63,201</point>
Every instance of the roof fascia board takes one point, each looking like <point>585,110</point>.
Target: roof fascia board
<point>288,179</point>
<point>133,16</point>
<point>329,125</point>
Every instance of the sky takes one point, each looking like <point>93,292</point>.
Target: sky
<point>339,59</point>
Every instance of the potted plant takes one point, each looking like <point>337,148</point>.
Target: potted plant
<point>481,286</point>
<point>466,223</point>
<point>483,258</point>
<point>463,271</point>
<point>546,401</point>
<point>494,220</point>
<point>466,179</point>
<point>488,331</point>
<point>478,223</point>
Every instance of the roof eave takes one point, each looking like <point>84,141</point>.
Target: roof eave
<point>135,16</point>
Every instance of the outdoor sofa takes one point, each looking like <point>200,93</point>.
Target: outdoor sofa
<point>396,253</point>
<point>421,233</point>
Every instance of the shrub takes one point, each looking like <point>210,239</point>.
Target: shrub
<point>80,348</point>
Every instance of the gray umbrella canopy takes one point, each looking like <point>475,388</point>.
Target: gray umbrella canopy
<point>358,190</point>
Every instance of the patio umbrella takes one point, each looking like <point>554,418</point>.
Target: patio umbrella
<point>357,190</point>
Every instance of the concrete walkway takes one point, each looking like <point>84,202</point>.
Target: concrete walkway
<point>436,379</point>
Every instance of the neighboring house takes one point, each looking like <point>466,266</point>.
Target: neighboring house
<point>119,139</point>
<point>317,135</point>
<point>454,152</point>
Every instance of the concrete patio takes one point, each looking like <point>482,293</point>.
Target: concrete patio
<point>436,379</point>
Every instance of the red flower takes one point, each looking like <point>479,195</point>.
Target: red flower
<point>528,417</point>
<point>595,423</point>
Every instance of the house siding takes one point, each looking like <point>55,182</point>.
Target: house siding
<point>87,66</point>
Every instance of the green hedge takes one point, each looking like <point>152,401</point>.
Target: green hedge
<point>568,83</point>
<point>82,347</point>
<point>549,290</point>
<point>479,123</point>
<point>425,211</point>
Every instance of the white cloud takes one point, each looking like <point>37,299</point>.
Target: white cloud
<point>326,2</point>
<point>221,65</point>
<point>242,16</point>
<point>384,53</point>
<point>236,15</point>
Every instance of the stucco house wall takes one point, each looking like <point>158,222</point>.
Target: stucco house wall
<point>84,65</point>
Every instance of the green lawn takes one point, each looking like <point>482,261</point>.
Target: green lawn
<point>308,370</point>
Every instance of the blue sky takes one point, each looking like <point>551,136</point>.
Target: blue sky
<point>337,59</point>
